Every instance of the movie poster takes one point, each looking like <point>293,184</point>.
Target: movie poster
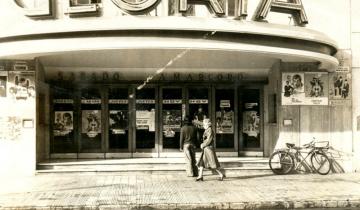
<point>21,85</point>
<point>293,91</point>
<point>3,80</point>
<point>309,88</point>
<point>91,122</point>
<point>63,124</point>
<point>251,124</point>
<point>145,120</point>
<point>118,121</point>
<point>316,88</point>
<point>340,86</point>
<point>171,122</point>
<point>224,122</point>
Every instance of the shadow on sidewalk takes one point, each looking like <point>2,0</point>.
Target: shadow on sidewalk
<point>249,177</point>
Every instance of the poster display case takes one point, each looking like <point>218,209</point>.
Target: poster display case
<point>171,117</point>
<point>251,119</point>
<point>63,129</point>
<point>224,118</point>
<point>199,108</point>
<point>118,118</point>
<point>91,126</point>
<point>145,118</point>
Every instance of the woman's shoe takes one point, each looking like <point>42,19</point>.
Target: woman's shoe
<point>222,177</point>
<point>199,179</point>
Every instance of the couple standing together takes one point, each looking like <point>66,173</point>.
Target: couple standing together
<point>188,136</point>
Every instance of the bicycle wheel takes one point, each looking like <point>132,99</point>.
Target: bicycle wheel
<point>281,162</point>
<point>320,163</point>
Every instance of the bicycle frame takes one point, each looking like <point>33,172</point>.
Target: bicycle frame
<point>300,160</point>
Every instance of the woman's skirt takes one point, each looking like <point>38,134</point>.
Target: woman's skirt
<point>208,159</point>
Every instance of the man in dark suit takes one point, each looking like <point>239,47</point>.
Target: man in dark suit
<point>188,137</point>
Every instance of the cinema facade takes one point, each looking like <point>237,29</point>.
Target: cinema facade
<point>114,79</point>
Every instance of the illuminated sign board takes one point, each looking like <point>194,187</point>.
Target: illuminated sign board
<point>217,7</point>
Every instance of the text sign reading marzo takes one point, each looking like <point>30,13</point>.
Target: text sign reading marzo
<point>217,7</point>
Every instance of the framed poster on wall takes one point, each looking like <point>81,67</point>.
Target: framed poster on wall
<point>293,91</point>
<point>305,88</point>
<point>21,85</point>
<point>316,88</point>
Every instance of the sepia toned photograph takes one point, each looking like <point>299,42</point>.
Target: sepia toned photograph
<point>180,104</point>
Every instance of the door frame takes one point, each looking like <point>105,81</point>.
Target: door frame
<point>233,87</point>
<point>118,153</point>
<point>250,151</point>
<point>154,152</point>
<point>165,152</point>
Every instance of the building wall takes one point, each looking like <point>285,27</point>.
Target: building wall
<point>18,122</point>
<point>271,106</point>
<point>336,18</point>
<point>355,49</point>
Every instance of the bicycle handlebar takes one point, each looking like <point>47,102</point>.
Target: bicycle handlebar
<point>308,145</point>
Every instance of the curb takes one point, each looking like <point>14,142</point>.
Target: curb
<point>312,204</point>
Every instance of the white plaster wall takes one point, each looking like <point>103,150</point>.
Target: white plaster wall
<point>355,47</point>
<point>18,156</point>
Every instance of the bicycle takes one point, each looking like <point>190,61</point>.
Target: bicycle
<point>285,160</point>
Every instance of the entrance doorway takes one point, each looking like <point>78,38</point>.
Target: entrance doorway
<point>123,121</point>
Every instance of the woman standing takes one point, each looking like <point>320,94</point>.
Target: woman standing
<point>208,157</point>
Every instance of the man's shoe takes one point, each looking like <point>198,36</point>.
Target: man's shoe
<point>199,179</point>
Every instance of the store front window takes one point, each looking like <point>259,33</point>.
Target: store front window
<point>118,118</point>
<point>145,118</point>
<point>91,126</point>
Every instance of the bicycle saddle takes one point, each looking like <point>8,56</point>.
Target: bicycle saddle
<point>290,145</point>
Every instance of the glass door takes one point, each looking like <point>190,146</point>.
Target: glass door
<point>118,132</point>
<point>251,120</point>
<point>63,138</point>
<point>225,118</point>
<point>91,126</point>
<point>171,115</point>
<point>145,134</point>
<point>199,108</point>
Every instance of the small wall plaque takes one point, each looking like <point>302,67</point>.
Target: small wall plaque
<point>288,122</point>
<point>28,123</point>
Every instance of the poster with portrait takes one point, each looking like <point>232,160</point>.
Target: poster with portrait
<point>145,120</point>
<point>171,122</point>
<point>224,122</point>
<point>21,85</point>
<point>91,122</point>
<point>251,124</point>
<point>339,88</point>
<point>118,121</point>
<point>293,90</point>
<point>316,88</point>
<point>3,82</point>
<point>63,123</point>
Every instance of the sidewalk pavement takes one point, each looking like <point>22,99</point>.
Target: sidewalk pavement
<point>240,190</point>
